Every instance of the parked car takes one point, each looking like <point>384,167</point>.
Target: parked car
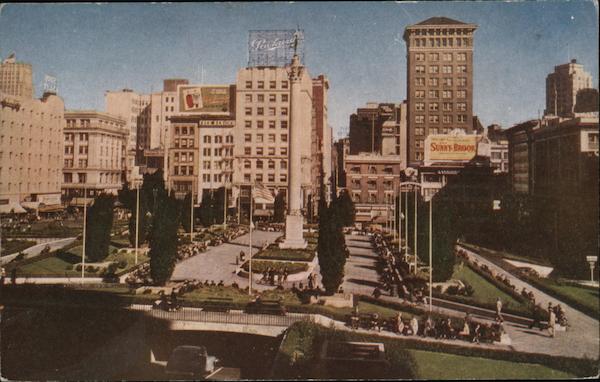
<point>190,362</point>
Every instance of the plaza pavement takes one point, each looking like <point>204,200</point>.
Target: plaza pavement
<point>218,263</point>
<point>580,340</point>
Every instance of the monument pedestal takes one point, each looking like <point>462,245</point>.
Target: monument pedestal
<point>293,233</point>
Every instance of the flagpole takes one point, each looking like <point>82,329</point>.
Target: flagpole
<point>406,223</point>
<point>250,261</point>
<point>225,207</point>
<point>400,219</point>
<point>416,239</point>
<point>430,254</point>
<point>84,230</point>
<point>192,215</point>
<point>137,221</point>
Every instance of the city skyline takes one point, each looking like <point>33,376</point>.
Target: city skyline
<point>105,57</point>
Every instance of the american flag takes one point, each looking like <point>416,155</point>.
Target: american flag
<point>260,191</point>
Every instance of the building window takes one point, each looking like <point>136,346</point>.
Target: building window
<point>271,150</point>
<point>433,106</point>
<point>271,111</point>
<point>284,138</point>
<point>434,69</point>
<point>259,151</point>
<point>284,111</point>
<point>462,81</point>
<point>461,94</point>
<point>260,124</point>
<point>247,164</point>
<point>283,165</point>
<point>248,124</point>
<point>259,177</point>
<point>419,106</point>
<point>419,119</point>
<point>259,164</point>
<point>434,131</point>
<point>419,57</point>
<point>248,97</point>
<point>461,106</point>
<point>447,56</point>
<point>419,156</point>
<point>283,178</point>
<point>261,85</point>
<point>447,118</point>
<point>461,57</point>
<point>447,81</point>
<point>420,69</point>
<point>271,124</point>
<point>247,137</point>
<point>248,111</point>
<point>447,94</point>
<point>247,150</point>
<point>434,94</point>
<point>434,56</point>
<point>283,150</point>
<point>271,138</point>
<point>272,84</point>
<point>206,151</point>
<point>284,98</point>
<point>434,119</point>
<point>419,131</point>
<point>68,177</point>
<point>272,98</point>
<point>260,111</point>
<point>284,84</point>
<point>259,138</point>
<point>207,139</point>
<point>461,68</point>
<point>248,84</point>
<point>461,118</point>
<point>419,93</point>
<point>260,98</point>
<point>247,178</point>
<point>420,81</point>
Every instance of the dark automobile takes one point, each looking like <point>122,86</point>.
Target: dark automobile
<point>190,361</point>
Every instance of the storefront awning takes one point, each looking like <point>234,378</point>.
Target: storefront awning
<point>51,208</point>
<point>12,208</point>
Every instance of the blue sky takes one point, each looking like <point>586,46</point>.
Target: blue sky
<point>92,48</point>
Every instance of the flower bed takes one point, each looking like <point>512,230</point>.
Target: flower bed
<point>259,266</point>
<point>275,253</point>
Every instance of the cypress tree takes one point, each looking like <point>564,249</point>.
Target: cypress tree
<point>163,239</point>
<point>99,225</point>
<point>279,208</point>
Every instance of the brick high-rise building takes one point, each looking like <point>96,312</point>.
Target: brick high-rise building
<point>562,87</point>
<point>439,80</point>
<point>16,78</point>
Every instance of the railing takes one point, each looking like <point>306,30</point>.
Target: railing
<point>232,317</point>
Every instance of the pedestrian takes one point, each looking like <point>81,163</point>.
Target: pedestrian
<point>499,309</point>
<point>414,325</point>
<point>536,315</point>
<point>242,256</point>
<point>2,276</point>
<point>310,281</point>
<point>13,276</point>
<point>551,323</point>
<point>399,323</point>
<point>376,292</point>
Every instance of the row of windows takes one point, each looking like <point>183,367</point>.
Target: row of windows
<point>420,131</point>
<point>445,56</point>
<point>270,164</point>
<point>272,84</point>
<point>82,177</point>
<point>261,97</point>
<point>461,118</point>
<point>216,165</point>
<point>446,106</point>
<point>372,184</point>
<point>442,32</point>
<point>260,178</point>
<point>261,124</point>
<point>183,170</point>
<point>216,178</point>
<point>438,42</point>
<point>218,139</point>
<point>261,151</point>
<point>446,81</point>
<point>17,187</point>
<point>184,143</point>
<point>227,152</point>
<point>435,69</point>
<point>272,111</point>
<point>82,149</point>
<point>445,94</point>
<point>372,170</point>
<point>260,138</point>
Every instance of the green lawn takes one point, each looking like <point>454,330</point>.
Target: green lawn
<point>433,365</point>
<point>57,265</point>
<point>15,246</point>
<point>273,253</point>
<point>585,296</point>
<point>484,291</point>
<point>259,266</point>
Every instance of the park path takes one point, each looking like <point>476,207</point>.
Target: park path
<point>582,338</point>
<point>37,249</point>
<point>361,274</point>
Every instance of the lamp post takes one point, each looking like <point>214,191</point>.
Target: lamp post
<point>250,249</point>
<point>416,238</point>
<point>84,230</point>
<point>192,215</point>
<point>137,221</point>
<point>430,254</point>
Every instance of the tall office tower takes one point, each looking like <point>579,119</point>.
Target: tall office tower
<point>16,78</point>
<point>439,80</point>
<point>562,87</point>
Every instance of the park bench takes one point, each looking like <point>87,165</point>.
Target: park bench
<point>218,304</point>
<point>266,307</point>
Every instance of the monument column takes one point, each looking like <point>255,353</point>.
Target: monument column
<point>294,219</point>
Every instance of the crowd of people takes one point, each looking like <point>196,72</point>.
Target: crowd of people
<point>272,276</point>
<point>394,274</point>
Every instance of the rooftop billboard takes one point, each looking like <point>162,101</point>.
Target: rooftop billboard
<point>274,47</point>
<point>450,147</point>
<point>204,99</point>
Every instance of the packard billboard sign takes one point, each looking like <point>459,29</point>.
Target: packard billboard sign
<point>209,99</point>
<point>274,47</point>
<point>450,147</point>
